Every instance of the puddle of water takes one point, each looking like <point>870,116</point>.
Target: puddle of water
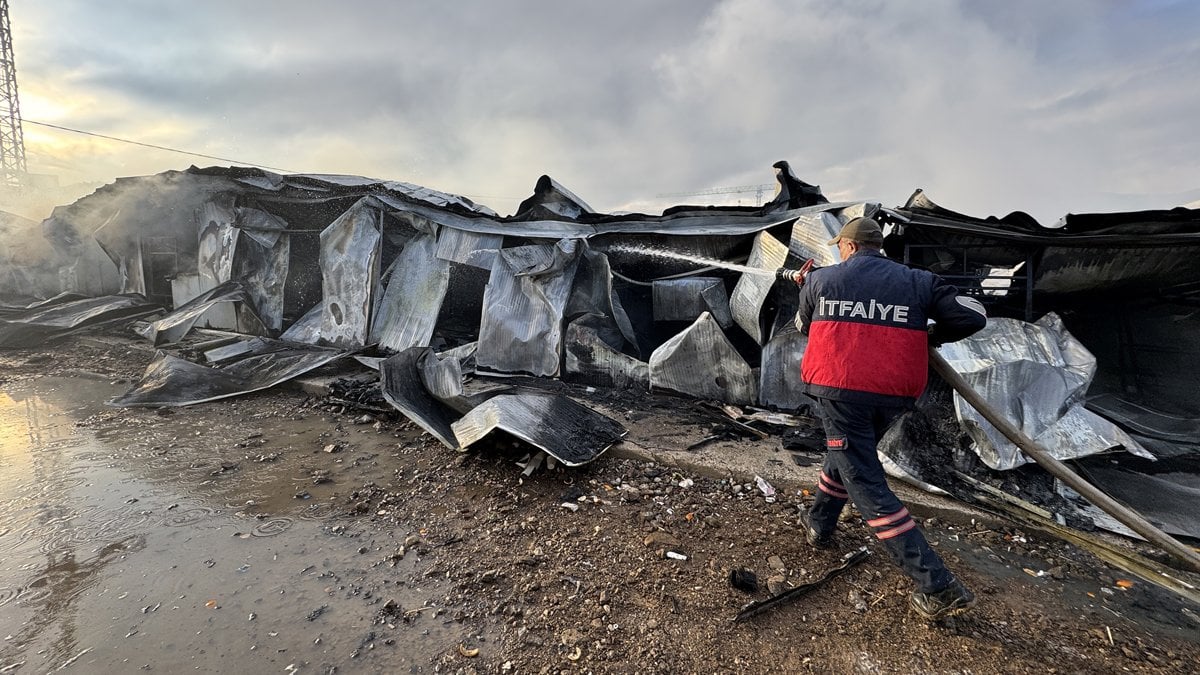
<point>116,560</point>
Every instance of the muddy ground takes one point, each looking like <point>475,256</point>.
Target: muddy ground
<point>284,532</point>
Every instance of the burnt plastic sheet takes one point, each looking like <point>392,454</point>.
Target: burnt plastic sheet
<point>522,326</point>
<point>416,287</point>
<point>752,290</point>
<point>592,357</point>
<point>686,299</point>
<point>174,326</point>
<point>52,318</point>
<point>171,381</point>
<point>565,429</point>
<point>350,260</point>
<point>1036,375</point>
<point>701,362</point>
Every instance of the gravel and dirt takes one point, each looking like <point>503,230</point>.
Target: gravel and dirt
<point>419,558</point>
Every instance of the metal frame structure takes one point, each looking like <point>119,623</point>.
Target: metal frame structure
<point>12,142</point>
<point>969,279</point>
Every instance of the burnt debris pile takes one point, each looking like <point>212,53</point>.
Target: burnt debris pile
<point>1092,346</point>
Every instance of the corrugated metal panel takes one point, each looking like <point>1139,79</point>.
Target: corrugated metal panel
<point>67,313</point>
<point>408,310</point>
<point>568,431</point>
<point>468,248</point>
<point>350,251</point>
<point>590,358</point>
<point>263,227</point>
<point>686,299</point>
<point>172,381</point>
<point>1036,375</point>
<point>780,385</point>
<point>521,330</point>
<point>264,271</point>
<point>402,386</point>
<point>809,234</point>
<point>308,329</point>
<point>752,290</point>
<point>174,326</point>
<point>701,362</point>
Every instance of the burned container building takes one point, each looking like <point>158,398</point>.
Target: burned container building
<point>1094,319</point>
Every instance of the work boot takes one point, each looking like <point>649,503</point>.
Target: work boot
<point>814,538</point>
<point>950,601</point>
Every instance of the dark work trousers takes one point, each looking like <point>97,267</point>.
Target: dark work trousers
<point>852,471</point>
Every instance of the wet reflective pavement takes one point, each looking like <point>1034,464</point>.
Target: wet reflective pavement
<point>122,555</point>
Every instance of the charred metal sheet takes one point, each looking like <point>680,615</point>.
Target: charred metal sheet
<point>1167,499</point>
<point>52,319</point>
<point>350,260</point>
<point>791,192</point>
<point>752,290</point>
<point>172,381</point>
<point>566,430</point>
<point>1077,268</point>
<point>686,299</point>
<point>261,226</point>
<point>551,200</point>
<point>464,354</point>
<point>174,326</point>
<point>416,287</point>
<point>1036,375</point>
<point>264,272</point>
<point>701,362</point>
<point>522,326</point>
<point>234,350</point>
<point>307,330</point>
<point>468,248</point>
<point>591,356</point>
<point>594,298</point>
<point>402,387</point>
<point>780,385</point>
<point>1138,418</point>
<point>692,221</point>
<point>1135,252</point>
<point>810,233</point>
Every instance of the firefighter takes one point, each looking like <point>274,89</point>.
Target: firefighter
<point>870,321</point>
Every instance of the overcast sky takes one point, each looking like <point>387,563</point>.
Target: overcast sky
<point>1047,107</point>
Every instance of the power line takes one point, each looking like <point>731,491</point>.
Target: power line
<point>158,147</point>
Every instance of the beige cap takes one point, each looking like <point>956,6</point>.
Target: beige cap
<point>860,230</point>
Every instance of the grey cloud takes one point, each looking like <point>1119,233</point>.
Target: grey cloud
<point>991,107</point>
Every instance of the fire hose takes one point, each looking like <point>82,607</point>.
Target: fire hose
<point>1051,464</point>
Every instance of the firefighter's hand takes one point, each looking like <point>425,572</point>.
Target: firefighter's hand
<point>934,339</point>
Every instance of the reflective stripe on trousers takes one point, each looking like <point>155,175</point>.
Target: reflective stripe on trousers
<point>852,472</point>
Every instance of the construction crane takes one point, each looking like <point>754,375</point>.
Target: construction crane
<point>758,190</point>
<point>12,141</point>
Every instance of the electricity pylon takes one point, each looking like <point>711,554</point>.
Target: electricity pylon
<point>12,141</point>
